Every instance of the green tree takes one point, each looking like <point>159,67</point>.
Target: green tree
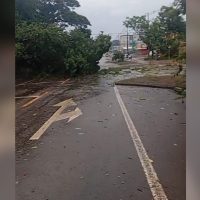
<point>47,49</point>
<point>164,33</point>
<point>138,23</point>
<point>84,52</point>
<point>118,56</point>
<point>60,12</point>
<point>141,26</point>
<point>181,5</point>
<point>43,46</point>
<point>77,56</point>
<point>40,49</point>
<point>27,10</point>
<point>172,20</point>
<point>175,30</point>
<point>102,45</point>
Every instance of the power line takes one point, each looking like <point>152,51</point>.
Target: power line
<point>107,33</point>
<point>152,12</point>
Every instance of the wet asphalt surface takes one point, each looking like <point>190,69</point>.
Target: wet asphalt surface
<point>93,157</point>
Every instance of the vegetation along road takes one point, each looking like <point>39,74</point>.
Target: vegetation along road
<point>96,124</point>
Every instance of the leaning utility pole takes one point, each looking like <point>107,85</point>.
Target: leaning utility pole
<point>148,21</point>
<point>147,15</point>
<point>127,41</point>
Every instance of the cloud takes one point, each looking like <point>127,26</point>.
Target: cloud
<point>108,15</point>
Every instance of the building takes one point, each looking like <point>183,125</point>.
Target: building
<point>132,40</point>
<point>141,48</point>
<point>123,43</point>
<point>135,45</point>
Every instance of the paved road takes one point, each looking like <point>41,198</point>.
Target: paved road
<point>94,156</point>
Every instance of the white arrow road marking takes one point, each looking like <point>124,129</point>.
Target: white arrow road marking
<point>71,115</point>
<point>57,116</point>
<point>152,178</point>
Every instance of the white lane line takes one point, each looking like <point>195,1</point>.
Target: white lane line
<point>152,178</point>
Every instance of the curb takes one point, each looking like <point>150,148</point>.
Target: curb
<point>145,85</point>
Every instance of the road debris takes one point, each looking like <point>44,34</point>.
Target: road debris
<point>81,133</point>
<point>151,160</point>
<point>138,189</point>
<point>35,147</point>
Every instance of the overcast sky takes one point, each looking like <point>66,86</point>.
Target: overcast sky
<point>108,15</point>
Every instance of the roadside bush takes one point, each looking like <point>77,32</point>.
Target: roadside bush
<point>118,56</point>
<point>47,49</point>
<point>40,49</point>
<point>80,56</point>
